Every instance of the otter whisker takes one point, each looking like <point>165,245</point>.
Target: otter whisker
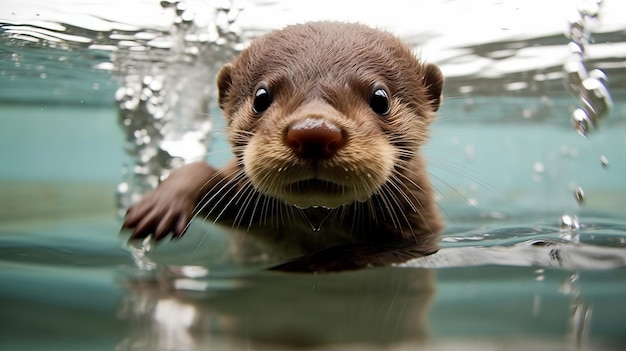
<point>244,198</point>
<point>396,183</point>
<point>202,203</point>
<point>256,207</point>
<point>217,185</point>
<point>388,206</point>
<point>460,172</point>
<point>414,207</point>
<point>234,199</point>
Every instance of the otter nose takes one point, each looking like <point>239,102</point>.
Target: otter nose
<point>314,138</point>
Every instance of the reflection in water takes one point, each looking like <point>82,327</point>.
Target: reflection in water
<point>477,290</point>
<point>172,311</point>
<point>580,318</point>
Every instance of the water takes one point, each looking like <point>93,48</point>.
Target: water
<point>533,255</point>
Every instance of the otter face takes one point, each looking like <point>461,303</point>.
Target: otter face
<point>327,114</point>
<point>318,156</point>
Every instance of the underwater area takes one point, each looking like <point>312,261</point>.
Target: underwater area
<point>99,100</point>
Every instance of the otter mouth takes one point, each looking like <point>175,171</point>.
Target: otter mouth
<point>315,186</point>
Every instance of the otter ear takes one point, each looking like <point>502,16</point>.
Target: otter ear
<point>224,84</point>
<point>433,80</point>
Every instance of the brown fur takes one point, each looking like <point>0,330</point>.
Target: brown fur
<point>384,211</point>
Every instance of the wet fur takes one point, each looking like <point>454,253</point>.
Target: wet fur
<point>324,70</point>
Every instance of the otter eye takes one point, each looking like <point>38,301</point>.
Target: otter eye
<point>262,99</point>
<point>379,102</point>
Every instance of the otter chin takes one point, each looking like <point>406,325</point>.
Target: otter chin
<point>321,116</point>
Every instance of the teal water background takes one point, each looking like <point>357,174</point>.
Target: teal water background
<point>508,275</point>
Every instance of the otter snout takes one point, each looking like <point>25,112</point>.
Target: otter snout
<point>314,138</point>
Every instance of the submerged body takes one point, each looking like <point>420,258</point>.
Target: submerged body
<point>326,121</point>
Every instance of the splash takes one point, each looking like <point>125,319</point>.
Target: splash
<point>139,252</point>
<point>166,92</point>
<point>590,88</point>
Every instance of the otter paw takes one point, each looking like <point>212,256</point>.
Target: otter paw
<point>159,214</point>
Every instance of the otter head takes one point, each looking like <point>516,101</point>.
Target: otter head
<point>326,114</point>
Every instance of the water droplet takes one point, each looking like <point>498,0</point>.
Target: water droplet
<point>575,73</point>
<point>569,222</point>
<point>156,85</point>
<point>597,96</point>
<point>43,76</point>
<point>579,195</point>
<point>538,167</point>
<point>582,122</point>
<point>604,161</point>
<point>123,187</point>
<point>599,75</point>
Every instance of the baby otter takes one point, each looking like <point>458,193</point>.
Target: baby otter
<point>326,121</point>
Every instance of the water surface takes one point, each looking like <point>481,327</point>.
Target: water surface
<point>503,156</point>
